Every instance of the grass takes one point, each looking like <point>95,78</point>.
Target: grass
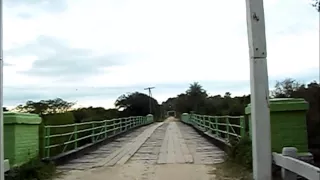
<point>231,171</point>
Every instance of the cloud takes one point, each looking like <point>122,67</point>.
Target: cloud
<point>105,95</point>
<point>6,64</point>
<point>92,51</point>
<point>32,7</point>
<point>54,59</point>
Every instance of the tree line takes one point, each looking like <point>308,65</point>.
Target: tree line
<point>131,104</point>
<point>316,4</point>
<point>194,99</point>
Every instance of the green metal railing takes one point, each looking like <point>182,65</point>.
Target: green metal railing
<point>61,139</point>
<point>221,127</point>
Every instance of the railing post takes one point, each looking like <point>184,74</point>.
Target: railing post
<point>113,127</point>
<point>47,142</point>
<point>201,121</point>
<point>130,123</point>
<point>44,141</point>
<point>227,127</point>
<point>140,120</point>
<point>75,136</point>
<point>135,122</point>
<point>121,121</point>
<point>243,126</point>
<point>291,152</point>
<point>191,118</point>
<point>126,124</point>
<point>197,120</point>
<point>105,129</point>
<point>210,124</point>
<point>92,133</point>
<point>216,126</point>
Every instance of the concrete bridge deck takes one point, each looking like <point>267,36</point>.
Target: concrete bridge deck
<point>169,150</point>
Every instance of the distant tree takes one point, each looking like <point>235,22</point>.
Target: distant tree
<point>196,99</point>
<point>197,95</point>
<point>94,114</point>
<point>316,4</point>
<point>137,104</point>
<point>4,109</point>
<point>50,106</point>
<point>183,104</point>
<point>286,88</point>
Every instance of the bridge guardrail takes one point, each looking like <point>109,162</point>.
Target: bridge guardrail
<point>288,160</point>
<point>68,138</point>
<point>222,128</point>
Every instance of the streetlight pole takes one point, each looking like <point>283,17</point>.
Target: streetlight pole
<point>1,94</point>
<point>259,85</point>
<point>150,95</point>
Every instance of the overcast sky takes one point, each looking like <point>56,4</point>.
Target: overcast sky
<point>92,51</point>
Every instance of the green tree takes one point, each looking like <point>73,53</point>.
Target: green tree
<point>197,96</point>
<point>316,4</point>
<point>94,114</point>
<point>286,88</point>
<point>42,107</point>
<point>137,104</point>
<point>196,99</point>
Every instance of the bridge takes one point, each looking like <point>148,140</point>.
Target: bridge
<point>138,154</point>
<point>140,148</point>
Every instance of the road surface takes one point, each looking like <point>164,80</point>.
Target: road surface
<point>162,151</point>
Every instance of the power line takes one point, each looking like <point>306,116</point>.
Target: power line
<point>150,96</point>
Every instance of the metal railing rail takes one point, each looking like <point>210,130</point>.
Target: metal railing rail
<point>60,139</point>
<point>222,127</point>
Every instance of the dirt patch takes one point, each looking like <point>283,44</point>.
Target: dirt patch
<point>231,171</point>
<point>140,171</point>
<point>171,119</point>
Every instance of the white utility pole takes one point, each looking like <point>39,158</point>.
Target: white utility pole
<point>1,94</point>
<point>259,84</point>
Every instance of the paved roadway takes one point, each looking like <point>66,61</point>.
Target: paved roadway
<point>163,151</point>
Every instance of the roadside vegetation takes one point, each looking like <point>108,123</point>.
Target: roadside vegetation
<point>195,98</point>
<point>34,170</point>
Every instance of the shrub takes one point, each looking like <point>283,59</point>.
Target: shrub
<point>240,152</point>
<point>34,169</point>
